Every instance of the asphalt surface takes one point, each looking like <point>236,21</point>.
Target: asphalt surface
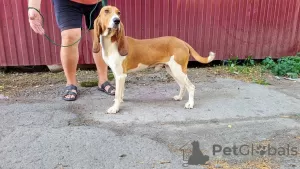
<point>151,130</point>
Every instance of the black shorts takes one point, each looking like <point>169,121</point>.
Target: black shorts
<point>69,14</point>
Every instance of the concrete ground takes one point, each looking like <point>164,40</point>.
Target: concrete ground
<point>39,130</point>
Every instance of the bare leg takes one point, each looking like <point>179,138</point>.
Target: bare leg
<point>69,56</point>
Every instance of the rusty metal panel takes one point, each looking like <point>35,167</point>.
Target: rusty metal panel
<point>240,28</point>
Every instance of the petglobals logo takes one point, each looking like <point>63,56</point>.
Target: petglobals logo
<point>192,155</point>
<point>246,150</point>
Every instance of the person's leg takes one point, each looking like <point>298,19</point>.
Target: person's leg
<point>69,20</point>
<point>102,68</point>
<point>69,57</point>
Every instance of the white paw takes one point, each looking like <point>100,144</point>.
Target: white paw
<point>178,98</point>
<point>113,110</point>
<point>189,105</point>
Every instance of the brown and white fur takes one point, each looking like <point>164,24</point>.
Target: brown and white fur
<point>125,54</point>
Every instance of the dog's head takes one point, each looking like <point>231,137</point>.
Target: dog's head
<point>109,24</point>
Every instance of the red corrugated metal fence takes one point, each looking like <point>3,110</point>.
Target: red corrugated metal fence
<point>229,27</point>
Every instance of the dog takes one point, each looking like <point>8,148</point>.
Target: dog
<point>124,54</point>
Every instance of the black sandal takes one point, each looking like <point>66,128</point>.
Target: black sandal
<point>104,85</point>
<point>68,91</point>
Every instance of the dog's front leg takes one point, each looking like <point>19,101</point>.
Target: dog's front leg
<point>123,88</point>
<point>120,82</point>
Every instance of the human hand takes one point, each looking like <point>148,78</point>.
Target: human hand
<point>35,21</point>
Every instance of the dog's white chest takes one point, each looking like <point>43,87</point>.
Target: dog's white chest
<point>111,56</point>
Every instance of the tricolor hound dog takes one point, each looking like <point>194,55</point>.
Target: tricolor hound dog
<point>125,54</point>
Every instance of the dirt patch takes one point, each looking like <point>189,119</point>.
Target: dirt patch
<point>14,84</point>
<point>259,163</point>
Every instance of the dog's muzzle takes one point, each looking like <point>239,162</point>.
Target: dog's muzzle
<point>116,22</point>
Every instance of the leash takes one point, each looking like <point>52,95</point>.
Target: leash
<point>104,3</point>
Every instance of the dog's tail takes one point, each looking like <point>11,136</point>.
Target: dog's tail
<point>199,58</point>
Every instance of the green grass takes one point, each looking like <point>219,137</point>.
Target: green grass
<point>252,71</point>
<point>247,70</point>
<point>92,83</point>
<point>286,66</point>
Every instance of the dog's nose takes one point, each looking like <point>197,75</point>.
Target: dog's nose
<point>116,21</point>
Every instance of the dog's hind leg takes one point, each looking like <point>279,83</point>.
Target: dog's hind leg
<point>182,79</point>
<point>181,85</point>
<point>191,89</point>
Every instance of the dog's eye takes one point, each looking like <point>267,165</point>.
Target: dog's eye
<point>118,13</point>
<point>106,11</point>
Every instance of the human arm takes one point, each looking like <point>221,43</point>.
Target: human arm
<point>35,19</point>
<point>34,3</point>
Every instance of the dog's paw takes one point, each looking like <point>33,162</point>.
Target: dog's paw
<point>177,98</point>
<point>189,105</point>
<point>113,110</point>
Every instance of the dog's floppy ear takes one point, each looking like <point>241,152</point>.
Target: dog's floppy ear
<point>122,41</point>
<point>97,32</point>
